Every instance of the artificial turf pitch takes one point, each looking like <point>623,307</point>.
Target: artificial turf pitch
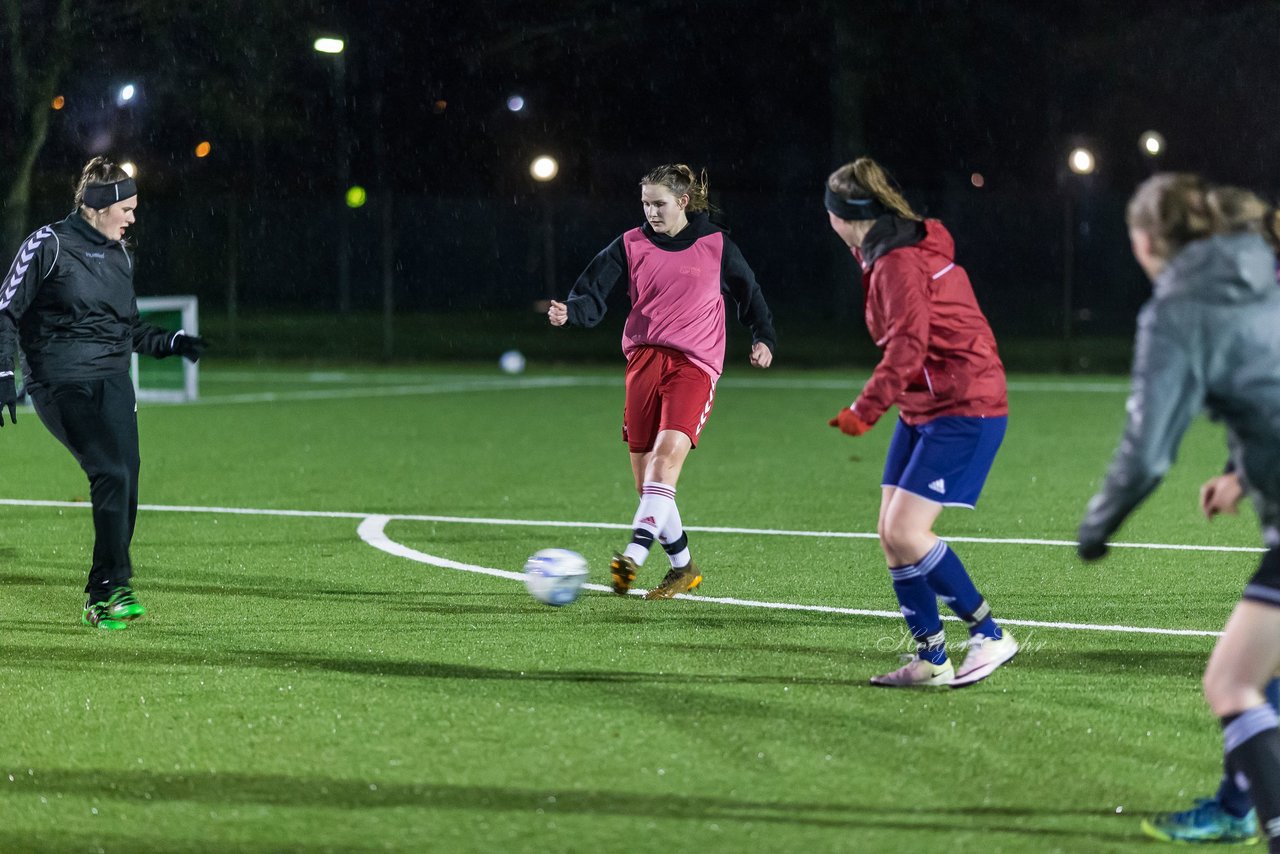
<point>293,688</point>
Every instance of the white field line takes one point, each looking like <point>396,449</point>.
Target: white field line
<point>613,526</point>
<point>381,391</point>
<point>372,531</point>
<point>464,382</point>
<point>355,392</point>
<point>374,386</point>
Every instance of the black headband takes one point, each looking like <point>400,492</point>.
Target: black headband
<point>869,208</point>
<point>99,196</point>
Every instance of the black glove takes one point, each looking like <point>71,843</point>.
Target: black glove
<point>188,347</point>
<point>8,396</point>
<point>1092,551</point>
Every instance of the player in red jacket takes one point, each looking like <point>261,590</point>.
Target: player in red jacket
<point>941,369</point>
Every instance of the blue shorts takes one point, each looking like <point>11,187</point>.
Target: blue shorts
<point>944,460</point>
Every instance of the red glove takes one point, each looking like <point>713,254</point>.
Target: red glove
<point>849,423</point>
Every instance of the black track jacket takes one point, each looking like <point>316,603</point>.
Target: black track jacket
<point>68,300</point>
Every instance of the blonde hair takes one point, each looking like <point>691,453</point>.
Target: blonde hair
<point>1176,208</point>
<point>864,178</point>
<point>680,180</point>
<point>99,170</point>
<point>1243,210</point>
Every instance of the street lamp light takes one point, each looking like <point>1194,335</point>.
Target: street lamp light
<point>1080,162</point>
<point>127,96</point>
<point>336,47</point>
<point>1151,143</point>
<point>544,169</point>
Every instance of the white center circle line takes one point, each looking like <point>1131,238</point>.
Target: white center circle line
<point>372,530</point>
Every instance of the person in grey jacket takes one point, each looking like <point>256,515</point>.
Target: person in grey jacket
<point>68,304</point>
<point>1209,339</point>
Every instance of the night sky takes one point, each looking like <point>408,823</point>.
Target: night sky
<point>765,95</point>
<point>769,97</point>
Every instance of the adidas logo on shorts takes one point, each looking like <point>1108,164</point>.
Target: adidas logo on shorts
<point>939,486</point>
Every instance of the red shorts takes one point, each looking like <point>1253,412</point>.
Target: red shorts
<point>665,391</point>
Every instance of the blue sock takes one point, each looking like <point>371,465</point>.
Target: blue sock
<point>919,606</point>
<point>947,578</point>
<point>1231,797</point>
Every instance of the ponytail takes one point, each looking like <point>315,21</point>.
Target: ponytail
<point>1176,208</point>
<point>1237,209</point>
<point>866,179</point>
<point>1172,208</point>
<point>1271,228</point>
<point>99,170</point>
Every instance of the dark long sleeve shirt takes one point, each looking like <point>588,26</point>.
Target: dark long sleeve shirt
<point>68,303</point>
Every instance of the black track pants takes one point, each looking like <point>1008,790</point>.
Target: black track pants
<point>98,422</point>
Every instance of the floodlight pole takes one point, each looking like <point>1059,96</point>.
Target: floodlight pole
<point>388,276</point>
<point>344,181</point>
<point>1068,272</point>
<point>1081,163</point>
<point>544,170</point>
<point>548,243</point>
<point>233,267</point>
<point>388,230</point>
<point>336,48</point>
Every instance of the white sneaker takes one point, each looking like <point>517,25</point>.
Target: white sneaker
<point>984,656</point>
<point>917,673</point>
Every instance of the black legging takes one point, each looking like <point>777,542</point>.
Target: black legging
<point>98,422</point>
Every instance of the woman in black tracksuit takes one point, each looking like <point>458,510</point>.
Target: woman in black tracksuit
<point>68,303</point>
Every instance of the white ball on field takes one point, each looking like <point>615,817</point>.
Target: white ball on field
<point>512,362</point>
<point>555,576</point>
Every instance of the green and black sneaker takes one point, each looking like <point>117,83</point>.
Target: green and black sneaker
<point>124,605</point>
<point>97,616</point>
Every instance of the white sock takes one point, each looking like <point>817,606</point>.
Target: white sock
<point>657,500</point>
<point>672,531</point>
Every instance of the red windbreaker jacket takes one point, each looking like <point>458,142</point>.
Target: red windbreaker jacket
<point>939,355</point>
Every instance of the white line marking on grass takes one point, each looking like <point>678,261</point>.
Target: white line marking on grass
<point>614,526</point>
<point>365,385</point>
<point>376,388</point>
<point>372,531</point>
<point>345,378</point>
<point>175,508</point>
<point>855,382</point>
<point>381,391</point>
<point>1074,387</point>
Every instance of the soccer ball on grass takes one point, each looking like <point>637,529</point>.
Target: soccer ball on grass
<point>555,576</point>
<point>512,362</point>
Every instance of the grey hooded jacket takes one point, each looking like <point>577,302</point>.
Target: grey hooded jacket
<point>1209,338</point>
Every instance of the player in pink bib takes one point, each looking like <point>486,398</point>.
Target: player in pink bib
<point>679,268</point>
